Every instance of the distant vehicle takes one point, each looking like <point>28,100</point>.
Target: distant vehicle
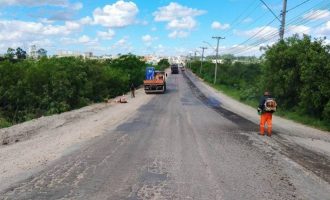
<point>174,69</point>
<point>155,81</point>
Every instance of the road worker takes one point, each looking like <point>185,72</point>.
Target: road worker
<point>267,106</point>
<point>132,90</point>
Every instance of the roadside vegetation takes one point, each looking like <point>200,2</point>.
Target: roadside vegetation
<point>163,64</point>
<point>296,71</point>
<point>32,88</point>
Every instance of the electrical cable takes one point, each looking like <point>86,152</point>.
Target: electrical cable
<point>271,35</point>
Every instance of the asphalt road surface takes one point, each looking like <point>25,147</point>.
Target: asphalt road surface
<point>177,146</point>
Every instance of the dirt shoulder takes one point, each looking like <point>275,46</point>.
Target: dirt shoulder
<point>308,137</point>
<point>33,145</point>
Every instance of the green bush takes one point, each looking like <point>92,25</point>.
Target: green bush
<point>296,71</point>
<point>30,89</point>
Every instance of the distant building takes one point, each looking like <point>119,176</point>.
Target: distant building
<point>63,53</point>
<point>177,59</point>
<point>33,53</point>
<point>152,59</point>
<point>88,55</point>
<point>105,57</point>
<point>217,61</point>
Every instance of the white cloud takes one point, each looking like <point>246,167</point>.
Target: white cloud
<point>21,29</point>
<point>31,3</point>
<point>317,15</point>
<point>119,14</point>
<point>86,20</point>
<point>247,20</point>
<point>147,38</point>
<point>178,34</point>
<point>34,2</point>
<point>327,42</point>
<point>243,50</point>
<point>121,42</point>
<point>46,21</point>
<point>324,30</point>
<point>174,11</point>
<point>295,29</point>
<point>122,46</point>
<point>24,33</point>
<point>217,25</point>
<point>77,6</point>
<point>72,25</point>
<point>84,40</point>
<point>106,35</point>
<point>183,23</point>
<point>263,32</point>
<point>178,17</point>
<point>142,22</point>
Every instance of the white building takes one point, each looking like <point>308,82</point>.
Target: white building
<point>220,61</point>
<point>88,55</point>
<point>33,52</point>
<point>63,53</point>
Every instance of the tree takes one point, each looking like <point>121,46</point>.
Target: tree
<point>10,53</point>
<point>20,53</point>
<point>297,71</point>
<point>42,53</point>
<point>163,64</point>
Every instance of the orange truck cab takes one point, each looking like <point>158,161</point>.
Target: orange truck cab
<point>155,81</point>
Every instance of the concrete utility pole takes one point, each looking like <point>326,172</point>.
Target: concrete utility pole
<point>283,20</point>
<point>200,70</point>
<point>190,60</point>
<point>216,59</point>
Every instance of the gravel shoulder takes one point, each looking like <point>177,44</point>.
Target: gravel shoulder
<point>308,137</point>
<point>33,145</point>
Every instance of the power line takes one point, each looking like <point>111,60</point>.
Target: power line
<point>271,35</point>
<point>254,35</point>
<point>270,10</point>
<point>298,5</point>
<point>238,19</point>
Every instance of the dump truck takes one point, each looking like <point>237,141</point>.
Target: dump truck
<point>155,81</point>
<point>174,69</point>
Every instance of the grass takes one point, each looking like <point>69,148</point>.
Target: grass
<point>4,123</point>
<point>294,116</point>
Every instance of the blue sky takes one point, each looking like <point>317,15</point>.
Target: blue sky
<point>155,27</point>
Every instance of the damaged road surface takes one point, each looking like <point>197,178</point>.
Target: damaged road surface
<point>180,145</point>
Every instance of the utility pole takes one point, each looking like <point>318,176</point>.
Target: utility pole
<point>200,70</point>
<point>216,59</point>
<point>283,20</point>
<point>190,60</point>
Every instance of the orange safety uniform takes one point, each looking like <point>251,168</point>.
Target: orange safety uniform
<point>266,117</point>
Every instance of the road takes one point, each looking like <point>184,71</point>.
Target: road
<point>180,145</point>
